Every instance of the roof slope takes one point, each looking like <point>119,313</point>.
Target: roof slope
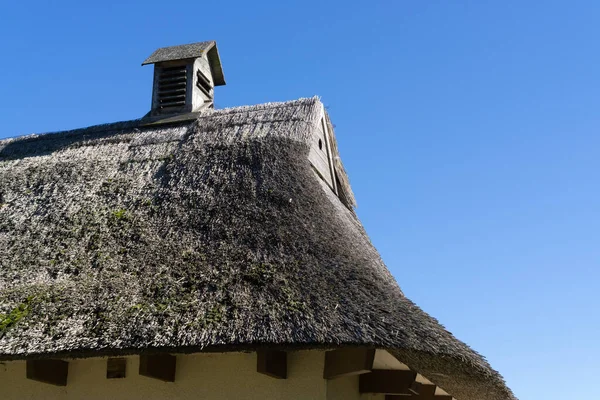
<point>214,234</point>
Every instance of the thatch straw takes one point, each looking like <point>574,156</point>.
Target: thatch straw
<point>211,235</point>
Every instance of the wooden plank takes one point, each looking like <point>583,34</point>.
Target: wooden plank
<point>53,372</point>
<point>346,362</point>
<point>318,157</point>
<point>329,152</point>
<point>426,392</point>
<point>272,363</point>
<point>389,382</point>
<point>116,368</point>
<point>158,366</point>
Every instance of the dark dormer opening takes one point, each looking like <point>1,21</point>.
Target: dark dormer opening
<point>204,83</point>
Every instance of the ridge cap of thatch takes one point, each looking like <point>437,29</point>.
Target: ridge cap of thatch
<point>262,106</point>
<point>138,122</point>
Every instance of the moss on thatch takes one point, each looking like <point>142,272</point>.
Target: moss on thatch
<point>13,317</point>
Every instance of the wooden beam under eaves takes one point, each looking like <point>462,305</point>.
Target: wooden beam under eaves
<point>389,382</point>
<point>272,363</point>
<point>53,372</point>
<point>346,362</point>
<point>426,392</point>
<point>158,366</point>
<point>116,368</point>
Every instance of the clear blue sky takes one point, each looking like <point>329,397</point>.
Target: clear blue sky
<point>470,130</point>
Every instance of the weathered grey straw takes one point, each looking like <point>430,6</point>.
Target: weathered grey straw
<point>210,235</point>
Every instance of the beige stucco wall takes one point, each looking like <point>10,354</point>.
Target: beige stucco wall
<point>198,376</point>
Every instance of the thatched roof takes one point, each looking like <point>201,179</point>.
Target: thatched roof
<point>207,235</point>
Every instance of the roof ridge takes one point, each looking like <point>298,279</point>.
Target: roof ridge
<point>135,123</point>
<point>261,106</point>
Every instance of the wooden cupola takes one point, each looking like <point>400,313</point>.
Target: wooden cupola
<point>184,78</point>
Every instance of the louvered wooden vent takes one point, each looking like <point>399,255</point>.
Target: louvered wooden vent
<point>184,80</point>
<point>172,84</point>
